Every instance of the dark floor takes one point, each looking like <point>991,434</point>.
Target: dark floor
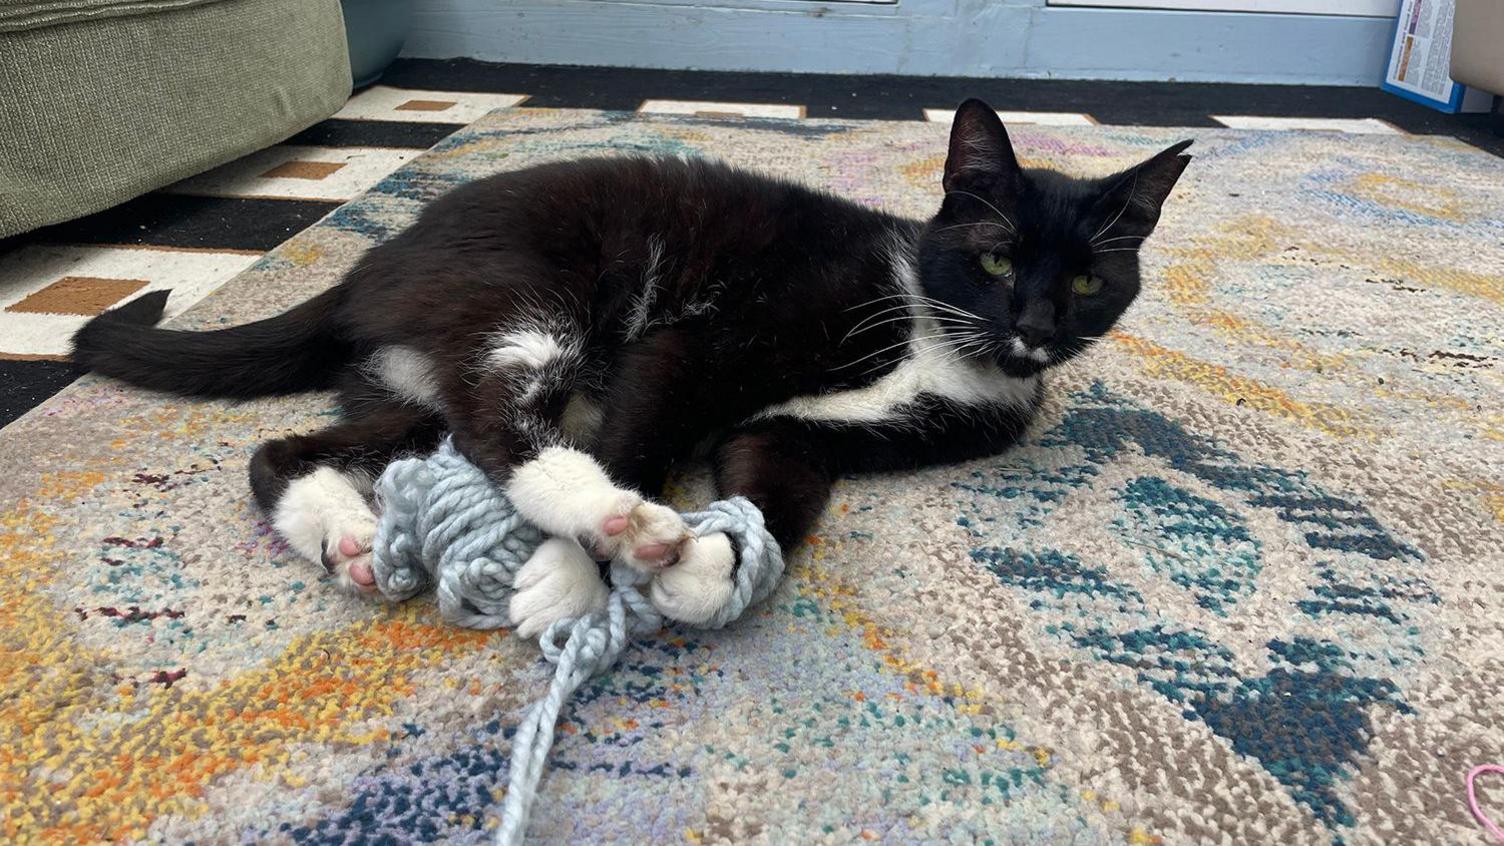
<point>903,97</point>
<point>175,221</point>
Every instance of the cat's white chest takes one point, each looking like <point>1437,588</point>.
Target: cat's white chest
<point>924,371</point>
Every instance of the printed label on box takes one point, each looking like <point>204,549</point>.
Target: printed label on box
<point>1422,53</point>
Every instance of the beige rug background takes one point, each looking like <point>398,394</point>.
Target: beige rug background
<point>1243,584</point>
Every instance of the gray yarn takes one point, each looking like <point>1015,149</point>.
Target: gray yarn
<point>444,524</point>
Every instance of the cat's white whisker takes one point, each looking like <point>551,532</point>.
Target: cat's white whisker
<point>992,223</point>
<point>911,310</point>
<point>984,201</point>
<point>1132,190</point>
<point>876,300</point>
<point>863,326</point>
<point>920,302</point>
<point>914,298</point>
<point>970,348</point>
<point>1118,238</point>
<point>934,312</point>
<point>942,347</point>
<point>948,321</point>
<point>945,306</point>
<point>941,339</point>
<point>904,342</point>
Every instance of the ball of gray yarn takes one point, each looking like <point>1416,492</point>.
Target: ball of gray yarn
<point>445,524</point>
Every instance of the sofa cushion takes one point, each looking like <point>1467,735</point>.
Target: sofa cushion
<point>102,109</point>
<point>29,15</point>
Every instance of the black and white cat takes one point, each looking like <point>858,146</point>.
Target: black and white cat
<point>581,326</point>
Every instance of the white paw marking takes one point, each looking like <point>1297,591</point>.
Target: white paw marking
<point>525,348</point>
<point>319,511</point>
<point>701,583</point>
<point>655,537</point>
<point>557,582</point>
<point>566,493</point>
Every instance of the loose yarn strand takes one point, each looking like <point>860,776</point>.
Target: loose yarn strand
<point>443,524</point>
<point>1472,798</point>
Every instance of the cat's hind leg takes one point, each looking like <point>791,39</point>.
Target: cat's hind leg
<point>317,487</point>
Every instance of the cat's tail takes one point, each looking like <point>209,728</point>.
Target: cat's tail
<point>297,350</point>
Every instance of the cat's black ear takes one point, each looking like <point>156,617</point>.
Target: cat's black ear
<point>1131,200</point>
<point>980,154</point>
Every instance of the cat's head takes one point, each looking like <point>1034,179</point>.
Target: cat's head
<point>1034,265</point>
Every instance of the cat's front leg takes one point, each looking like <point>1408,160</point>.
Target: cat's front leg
<point>568,494</point>
<point>786,466</point>
<point>508,421</point>
<point>780,467</point>
<point>316,488</point>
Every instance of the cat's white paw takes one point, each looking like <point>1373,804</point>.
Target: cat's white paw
<point>557,582</point>
<point>694,589</point>
<point>566,493</point>
<point>648,538</point>
<point>348,557</point>
<point>324,517</point>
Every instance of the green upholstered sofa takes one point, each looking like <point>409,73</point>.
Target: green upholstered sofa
<point>102,100</point>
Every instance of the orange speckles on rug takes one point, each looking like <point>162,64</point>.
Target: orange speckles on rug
<point>164,749</point>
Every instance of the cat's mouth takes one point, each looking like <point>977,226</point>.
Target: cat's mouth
<point>1009,351</point>
<point>1016,358</point>
<point>1018,349</point>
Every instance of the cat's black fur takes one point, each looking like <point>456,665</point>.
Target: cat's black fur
<point>690,298</point>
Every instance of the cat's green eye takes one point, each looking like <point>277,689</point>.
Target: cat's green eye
<point>996,265</point>
<point>1087,286</point>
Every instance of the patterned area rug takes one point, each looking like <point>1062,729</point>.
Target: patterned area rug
<point>1243,584</point>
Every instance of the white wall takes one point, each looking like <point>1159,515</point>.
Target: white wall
<point>984,38</point>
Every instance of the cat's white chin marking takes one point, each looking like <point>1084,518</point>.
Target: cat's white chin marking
<point>325,518</point>
<point>694,589</point>
<point>1023,350</point>
<point>566,493</point>
<point>559,581</point>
